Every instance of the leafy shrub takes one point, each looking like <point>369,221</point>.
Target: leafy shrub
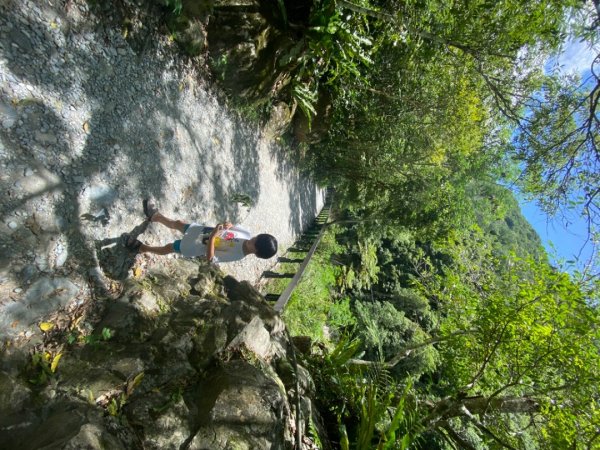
<point>340,315</point>
<point>385,331</point>
<point>415,307</point>
<point>368,408</point>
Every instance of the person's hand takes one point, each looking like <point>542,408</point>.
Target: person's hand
<point>220,227</point>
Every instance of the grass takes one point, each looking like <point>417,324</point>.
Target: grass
<point>314,304</point>
<point>307,311</point>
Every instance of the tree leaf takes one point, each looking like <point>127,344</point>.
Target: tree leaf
<point>55,361</point>
<point>106,334</point>
<point>134,383</point>
<point>46,326</point>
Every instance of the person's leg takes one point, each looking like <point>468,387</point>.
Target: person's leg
<point>170,223</point>
<point>164,250</point>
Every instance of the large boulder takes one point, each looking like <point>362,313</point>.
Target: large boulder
<point>187,362</point>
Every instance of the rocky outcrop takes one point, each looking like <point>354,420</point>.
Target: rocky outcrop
<point>189,360</point>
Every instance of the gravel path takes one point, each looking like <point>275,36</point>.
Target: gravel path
<point>89,125</point>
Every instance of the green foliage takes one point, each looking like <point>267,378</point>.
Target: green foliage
<point>241,198</point>
<point>415,307</point>
<point>306,99</point>
<point>314,304</point>
<point>340,315</point>
<point>332,49</point>
<point>106,333</point>
<point>529,334</point>
<point>115,405</point>
<point>42,367</point>
<point>385,331</point>
<point>337,45</point>
<point>362,272</point>
<point>497,212</point>
<point>503,327</point>
<point>308,308</point>
<point>90,339</point>
<point>401,159</point>
<point>381,327</point>
<point>175,5</point>
<point>371,410</point>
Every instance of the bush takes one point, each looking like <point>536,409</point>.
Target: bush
<point>340,316</point>
<point>415,307</point>
<point>385,331</point>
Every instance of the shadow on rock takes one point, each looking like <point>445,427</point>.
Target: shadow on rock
<point>114,258</point>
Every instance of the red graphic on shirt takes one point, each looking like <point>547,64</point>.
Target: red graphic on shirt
<point>228,236</point>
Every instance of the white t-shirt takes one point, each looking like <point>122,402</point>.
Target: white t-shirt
<point>228,243</point>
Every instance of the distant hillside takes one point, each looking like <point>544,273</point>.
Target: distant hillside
<point>498,213</point>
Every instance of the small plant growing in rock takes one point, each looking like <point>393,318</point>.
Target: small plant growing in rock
<point>90,339</point>
<point>115,405</point>
<point>42,367</point>
<point>175,5</point>
<point>114,400</point>
<point>175,397</point>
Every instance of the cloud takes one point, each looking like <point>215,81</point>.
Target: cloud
<point>576,57</point>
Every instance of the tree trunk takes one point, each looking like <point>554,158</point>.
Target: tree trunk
<point>407,350</point>
<point>450,407</point>
<point>515,405</point>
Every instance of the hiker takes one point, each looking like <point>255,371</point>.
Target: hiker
<point>223,243</point>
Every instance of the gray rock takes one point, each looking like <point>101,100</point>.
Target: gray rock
<point>8,116</point>
<point>41,262</point>
<point>28,273</point>
<point>13,394</point>
<point>45,138</point>
<point>102,195</point>
<point>247,411</point>
<point>18,38</point>
<point>44,296</point>
<point>151,364</point>
<point>39,182</point>
<point>93,436</point>
<point>255,338</point>
<point>61,255</point>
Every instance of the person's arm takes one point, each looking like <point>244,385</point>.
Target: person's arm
<point>210,245</point>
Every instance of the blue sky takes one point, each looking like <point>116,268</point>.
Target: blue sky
<point>567,239</point>
<point>562,241</point>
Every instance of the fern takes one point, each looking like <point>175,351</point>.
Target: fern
<point>176,5</point>
<point>306,98</point>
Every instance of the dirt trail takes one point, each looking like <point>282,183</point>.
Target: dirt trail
<point>89,125</point>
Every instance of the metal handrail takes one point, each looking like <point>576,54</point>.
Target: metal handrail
<point>287,293</point>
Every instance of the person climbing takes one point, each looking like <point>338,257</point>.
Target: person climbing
<point>222,243</point>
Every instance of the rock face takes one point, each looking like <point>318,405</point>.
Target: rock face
<point>189,361</point>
